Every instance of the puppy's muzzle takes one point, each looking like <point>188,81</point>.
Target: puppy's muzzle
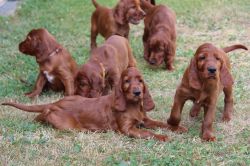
<point>21,47</point>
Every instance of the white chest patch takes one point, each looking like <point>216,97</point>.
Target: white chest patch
<point>50,78</point>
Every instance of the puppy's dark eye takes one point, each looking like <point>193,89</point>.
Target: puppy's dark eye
<point>47,60</point>
<point>202,57</point>
<point>127,81</point>
<point>82,84</point>
<point>217,58</point>
<point>131,7</point>
<point>159,49</point>
<point>140,80</point>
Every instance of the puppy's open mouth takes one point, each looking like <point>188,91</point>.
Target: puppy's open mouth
<point>134,21</point>
<point>211,77</point>
<point>158,63</point>
<point>136,98</point>
<point>155,63</point>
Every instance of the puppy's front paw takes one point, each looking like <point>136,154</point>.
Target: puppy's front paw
<point>226,118</point>
<point>178,129</point>
<point>170,67</point>
<point>208,136</point>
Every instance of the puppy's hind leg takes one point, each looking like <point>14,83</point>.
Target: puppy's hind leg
<point>94,32</point>
<point>195,110</point>
<point>228,104</point>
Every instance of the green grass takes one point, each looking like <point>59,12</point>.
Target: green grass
<point>25,142</point>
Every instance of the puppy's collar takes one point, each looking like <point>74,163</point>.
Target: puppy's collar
<point>56,51</point>
<point>102,68</point>
<point>161,27</point>
<point>45,58</point>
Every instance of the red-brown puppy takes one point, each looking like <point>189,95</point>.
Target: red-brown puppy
<point>159,38</point>
<point>122,111</point>
<point>57,67</point>
<point>115,21</point>
<point>207,75</point>
<point>103,70</point>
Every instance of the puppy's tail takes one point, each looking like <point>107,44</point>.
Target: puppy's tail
<point>95,3</point>
<point>32,108</point>
<point>131,59</point>
<point>234,47</point>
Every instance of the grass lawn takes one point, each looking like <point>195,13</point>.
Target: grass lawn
<point>25,142</point>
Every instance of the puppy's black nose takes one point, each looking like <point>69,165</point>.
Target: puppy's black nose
<point>137,92</point>
<point>152,62</point>
<point>141,125</point>
<point>211,70</point>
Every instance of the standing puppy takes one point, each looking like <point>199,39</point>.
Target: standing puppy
<point>115,21</point>
<point>159,38</point>
<point>57,67</point>
<point>207,75</point>
<point>103,70</point>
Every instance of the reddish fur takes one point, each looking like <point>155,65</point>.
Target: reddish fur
<point>103,70</point>
<point>114,21</point>
<point>203,88</point>
<point>41,44</point>
<point>159,38</point>
<point>121,111</point>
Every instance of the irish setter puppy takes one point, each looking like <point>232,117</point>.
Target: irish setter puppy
<point>206,76</point>
<point>123,111</point>
<point>115,21</point>
<point>159,38</point>
<point>103,70</point>
<point>57,67</point>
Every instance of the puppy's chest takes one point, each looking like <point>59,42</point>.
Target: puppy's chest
<point>49,77</point>
<point>135,114</point>
<point>122,30</point>
<point>204,98</point>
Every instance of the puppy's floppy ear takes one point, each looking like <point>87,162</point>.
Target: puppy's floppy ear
<point>194,80</point>
<point>169,48</point>
<point>146,5</point>
<point>120,101</point>
<point>119,13</point>
<point>225,76</point>
<point>46,43</point>
<point>148,102</point>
